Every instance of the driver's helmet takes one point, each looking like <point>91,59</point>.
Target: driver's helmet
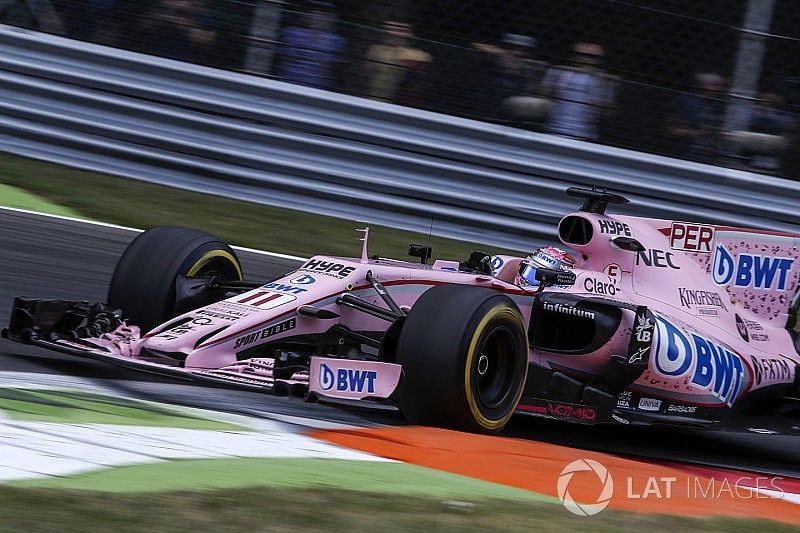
<point>546,257</point>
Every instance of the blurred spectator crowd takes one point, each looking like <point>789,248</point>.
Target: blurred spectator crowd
<point>599,77</point>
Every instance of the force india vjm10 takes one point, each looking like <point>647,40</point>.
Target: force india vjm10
<point>652,322</point>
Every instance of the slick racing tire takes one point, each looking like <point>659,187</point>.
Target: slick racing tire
<point>464,354</point>
<point>143,284</point>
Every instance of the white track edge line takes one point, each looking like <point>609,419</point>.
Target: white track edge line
<point>126,228</point>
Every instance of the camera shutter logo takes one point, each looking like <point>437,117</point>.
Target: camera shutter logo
<point>585,509</point>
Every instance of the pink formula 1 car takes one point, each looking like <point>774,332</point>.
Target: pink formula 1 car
<point>652,322</point>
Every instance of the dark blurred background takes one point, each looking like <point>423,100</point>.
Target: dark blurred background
<point>715,82</point>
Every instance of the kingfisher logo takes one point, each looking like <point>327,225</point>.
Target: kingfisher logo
<point>705,363</point>
<point>347,379</point>
<point>751,270</point>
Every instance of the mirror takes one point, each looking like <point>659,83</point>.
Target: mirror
<point>423,251</point>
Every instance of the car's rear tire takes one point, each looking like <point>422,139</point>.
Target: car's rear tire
<point>143,284</point>
<point>464,354</point>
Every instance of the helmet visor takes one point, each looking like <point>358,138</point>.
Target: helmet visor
<point>527,274</point>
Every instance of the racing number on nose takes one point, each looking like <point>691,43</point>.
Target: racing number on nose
<point>259,294</point>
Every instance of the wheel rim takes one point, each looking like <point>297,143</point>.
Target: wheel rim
<point>493,369</point>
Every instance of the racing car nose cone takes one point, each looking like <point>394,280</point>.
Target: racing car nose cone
<point>483,364</point>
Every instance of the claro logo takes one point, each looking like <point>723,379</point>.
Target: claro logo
<point>598,286</point>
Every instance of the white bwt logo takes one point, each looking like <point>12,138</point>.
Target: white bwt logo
<point>585,509</point>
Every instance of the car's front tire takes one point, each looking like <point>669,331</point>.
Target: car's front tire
<point>464,355</point>
<point>143,283</point>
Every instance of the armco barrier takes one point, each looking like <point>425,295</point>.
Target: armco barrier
<point>246,137</point>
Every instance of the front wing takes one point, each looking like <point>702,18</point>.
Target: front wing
<point>95,331</point>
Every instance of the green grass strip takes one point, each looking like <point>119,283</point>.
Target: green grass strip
<point>324,510</point>
<point>232,473</point>
<point>77,407</point>
<point>137,204</point>
<point>21,199</point>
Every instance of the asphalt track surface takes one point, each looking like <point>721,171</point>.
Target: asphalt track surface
<point>48,257</point>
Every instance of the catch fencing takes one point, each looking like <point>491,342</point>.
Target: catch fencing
<point>265,141</point>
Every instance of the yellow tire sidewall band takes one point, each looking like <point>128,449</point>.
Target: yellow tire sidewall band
<point>496,312</point>
<point>210,256</point>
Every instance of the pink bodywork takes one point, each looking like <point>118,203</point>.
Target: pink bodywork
<point>684,277</point>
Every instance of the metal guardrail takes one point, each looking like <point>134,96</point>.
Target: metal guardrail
<point>246,137</point>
